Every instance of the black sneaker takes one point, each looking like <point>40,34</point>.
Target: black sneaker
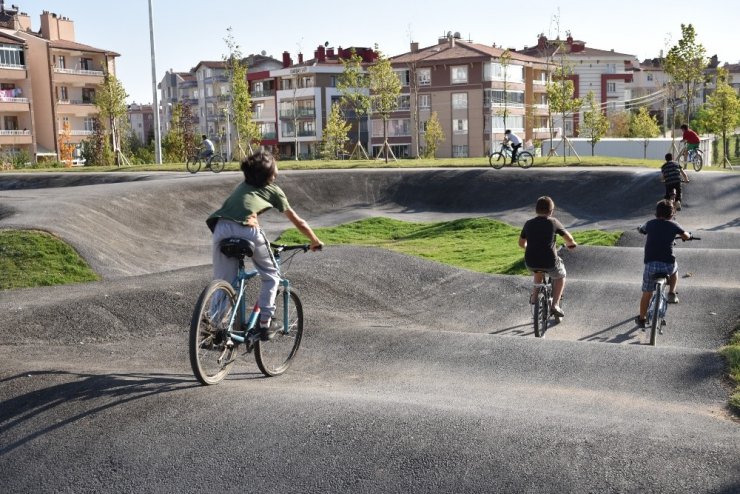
<point>641,323</point>
<point>268,333</point>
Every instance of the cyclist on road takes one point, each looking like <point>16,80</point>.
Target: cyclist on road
<point>207,149</point>
<point>659,258</point>
<point>691,139</point>
<point>672,175</point>
<point>237,217</point>
<point>538,241</point>
<point>515,142</point>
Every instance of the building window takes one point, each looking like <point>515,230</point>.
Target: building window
<point>88,95</point>
<point>611,87</point>
<point>498,72</point>
<point>63,95</point>
<point>89,124</point>
<point>403,76</point>
<point>459,74</point>
<point>425,101</point>
<point>209,73</point>
<point>424,77</point>
<point>258,109</point>
<point>11,55</point>
<point>460,126</point>
<point>497,97</point>
<point>209,91</point>
<point>460,151</point>
<point>397,127</point>
<point>286,83</point>
<point>650,77</point>
<point>404,102</point>
<point>611,68</point>
<point>86,64</point>
<point>60,62</point>
<point>460,101</point>
<point>514,122</point>
<point>423,126</point>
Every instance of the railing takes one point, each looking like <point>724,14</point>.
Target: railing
<point>269,135</point>
<point>4,99</point>
<point>78,132</point>
<point>12,66</point>
<point>300,113</point>
<point>306,133</point>
<point>75,102</point>
<point>263,94</point>
<point>15,132</point>
<point>98,73</point>
<point>539,82</point>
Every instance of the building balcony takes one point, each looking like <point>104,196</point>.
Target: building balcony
<point>12,72</point>
<point>14,104</point>
<point>187,84</point>
<point>298,113</point>
<point>78,77</point>
<point>76,107</point>
<point>78,132</point>
<point>269,135</point>
<point>14,137</point>
<point>269,93</point>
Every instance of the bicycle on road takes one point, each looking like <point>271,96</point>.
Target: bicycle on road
<point>498,159</point>
<point>658,306</point>
<point>541,308</point>
<point>215,162</point>
<point>224,323</point>
<point>693,156</point>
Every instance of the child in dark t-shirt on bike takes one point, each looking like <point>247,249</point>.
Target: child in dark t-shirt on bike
<point>659,258</point>
<point>672,175</point>
<point>540,254</point>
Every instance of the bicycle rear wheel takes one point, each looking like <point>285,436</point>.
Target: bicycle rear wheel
<point>655,315</point>
<point>193,164</point>
<point>217,163</point>
<point>275,356</point>
<point>540,314</point>
<point>497,160</point>
<point>525,159</point>
<point>697,161</point>
<point>212,354</point>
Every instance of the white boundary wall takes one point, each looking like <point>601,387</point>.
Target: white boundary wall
<point>627,147</point>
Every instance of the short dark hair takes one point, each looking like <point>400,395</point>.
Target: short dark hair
<point>684,127</point>
<point>665,209</point>
<point>669,157</point>
<point>507,131</point>
<point>544,205</point>
<point>259,168</point>
<point>204,136</point>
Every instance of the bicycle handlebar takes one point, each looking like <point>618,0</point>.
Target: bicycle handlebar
<point>284,248</point>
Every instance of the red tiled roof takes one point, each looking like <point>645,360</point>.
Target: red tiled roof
<point>461,50</point>
<point>73,45</point>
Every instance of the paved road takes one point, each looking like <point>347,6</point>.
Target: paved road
<point>413,376</point>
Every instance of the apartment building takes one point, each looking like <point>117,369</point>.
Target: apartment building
<point>141,120</point>
<point>476,96</point>
<point>61,77</point>
<point>177,87</point>
<point>606,73</point>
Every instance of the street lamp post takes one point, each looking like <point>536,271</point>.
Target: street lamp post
<point>155,99</point>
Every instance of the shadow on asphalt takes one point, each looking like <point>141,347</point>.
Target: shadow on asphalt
<point>115,390</point>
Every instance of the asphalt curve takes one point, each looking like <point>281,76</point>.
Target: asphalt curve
<point>413,376</point>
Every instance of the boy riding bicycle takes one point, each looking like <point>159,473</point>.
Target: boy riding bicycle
<point>540,256</point>
<point>659,258</point>
<point>691,139</point>
<point>514,141</point>
<point>672,175</point>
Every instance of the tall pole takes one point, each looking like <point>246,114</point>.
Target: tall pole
<point>155,99</point>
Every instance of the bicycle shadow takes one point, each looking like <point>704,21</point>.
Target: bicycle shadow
<point>515,330</point>
<point>113,390</point>
<point>618,338</point>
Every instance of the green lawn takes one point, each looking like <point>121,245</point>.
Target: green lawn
<point>32,258</point>
<point>731,352</point>
<point>478,244</point>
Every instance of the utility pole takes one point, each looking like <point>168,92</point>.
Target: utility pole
<point>155,99</point>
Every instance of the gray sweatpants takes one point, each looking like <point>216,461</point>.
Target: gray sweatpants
<point>225,268</point>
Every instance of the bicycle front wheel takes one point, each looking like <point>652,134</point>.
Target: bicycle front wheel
<point>193,164</point>
<point>525,159</point>
<point>697,161</point>
<point>217,163</point>
<point>275,356</point>
<point>497,160</point>
<point>540,314</point>
<point>212,353</point>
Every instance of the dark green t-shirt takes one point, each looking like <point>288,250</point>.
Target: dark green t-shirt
<point>247,200</point>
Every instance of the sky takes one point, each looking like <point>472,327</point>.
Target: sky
<point>189,31</point>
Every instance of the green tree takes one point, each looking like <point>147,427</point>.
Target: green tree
<point>174,143</point>
<point>685,64</point>
<point>110,99</point>
<point>595,124</point>
<point>560,95</point>
<point>97,148</point>
<point>723,108</point>
<point>385,87</point>
<point>433,135</point>
<point>240,101</point>
<point>505,61</point>
<point>335,133</point>
<point>353,86</point>
<point>645,126</point>
<point>619,123</point>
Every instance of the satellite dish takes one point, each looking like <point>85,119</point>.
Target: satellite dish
<point>263,53</point>
<point>326,43</point>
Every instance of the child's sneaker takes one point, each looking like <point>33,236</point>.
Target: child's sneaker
<point>641,323</point>
<point>557,311</point>
<point>673,298</point>
<point>267,333</point>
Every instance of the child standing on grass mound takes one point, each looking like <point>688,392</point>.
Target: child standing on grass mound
<point>539,243</point>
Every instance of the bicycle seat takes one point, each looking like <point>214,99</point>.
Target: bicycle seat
<point>660,276</point>
<point>236,247</point>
